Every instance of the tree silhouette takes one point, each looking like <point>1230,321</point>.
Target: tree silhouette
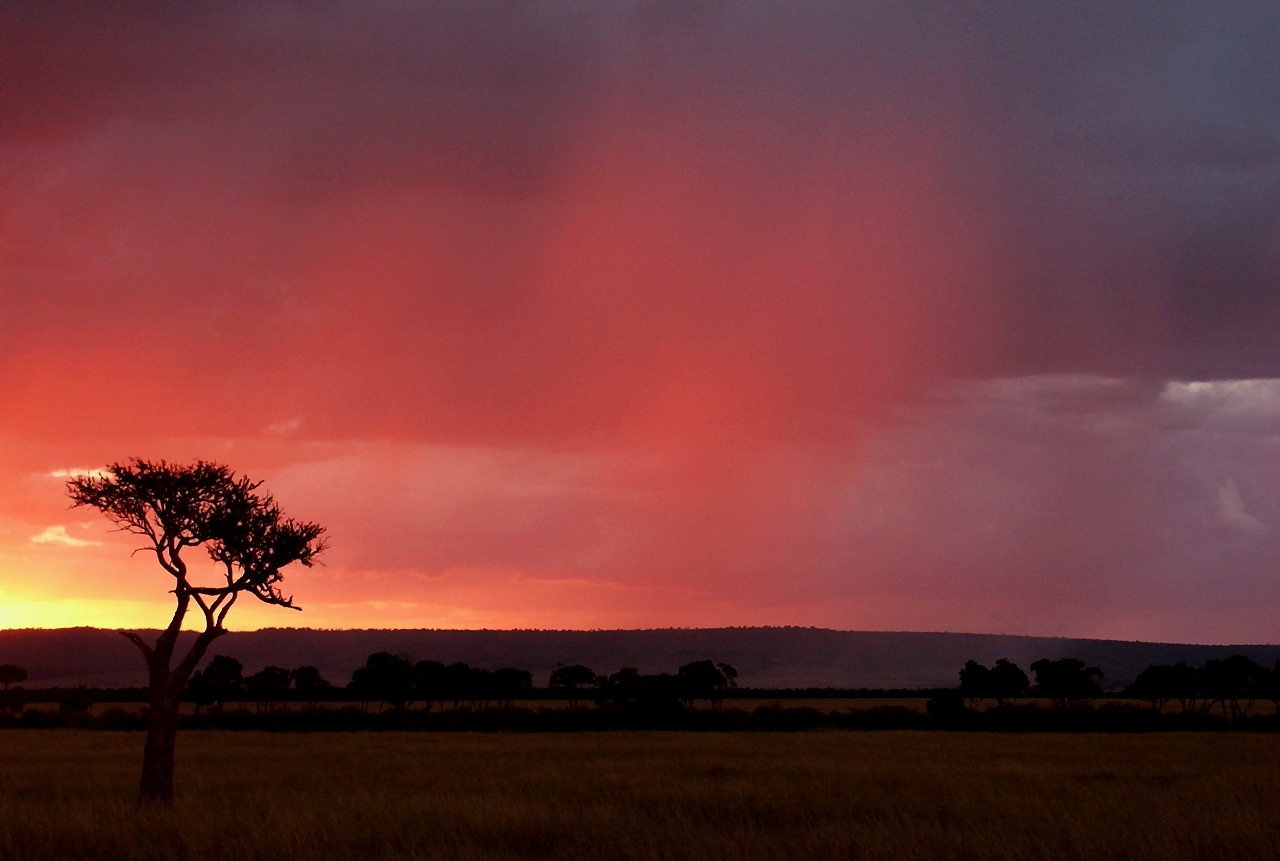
<point>704,680</point>
<point>308,685</point>
<point>429,682</point>
<point>220,681</point>
<point>508,683</point>
<point>975,681</point>
<point>1008,680</point>
<point>1066,680</point>
<point>1231,680</point>
<point>1159,683</point>
<point>175,507</point>
<point>384,677</point>
<point>458,683</point>
<point>1001,682</point>
<point>624,688</point>
<point>267,687</point>
<point>573,679</point>
<point>11,674</point>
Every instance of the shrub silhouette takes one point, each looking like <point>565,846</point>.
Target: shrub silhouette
<point>946,709</point>
<point>75,701</point>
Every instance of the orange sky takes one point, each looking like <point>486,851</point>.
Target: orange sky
<point>655,315</point>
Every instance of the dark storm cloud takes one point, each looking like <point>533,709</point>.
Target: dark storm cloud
<point>1129,149</point>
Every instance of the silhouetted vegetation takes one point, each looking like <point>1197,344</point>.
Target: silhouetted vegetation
<point>574,679</point>
<point>175,507</point>
<point>12,700</point>
<point>393,692</point>
<point>1066,680</point>
<point>1004,681</point>
<point>1232,685</point>
<point>11,674</point>
<point>75,701</point>
<point>221,681</point>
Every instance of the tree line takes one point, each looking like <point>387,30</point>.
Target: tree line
<point>1233,685</point>
<point>1063,681</point>
<point>397,682</point>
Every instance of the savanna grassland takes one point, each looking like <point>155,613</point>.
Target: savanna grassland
<point>893,795</point>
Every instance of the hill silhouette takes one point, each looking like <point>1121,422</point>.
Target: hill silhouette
<point>766,657</point>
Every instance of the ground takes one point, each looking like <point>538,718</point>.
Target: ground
<point>890,795</point>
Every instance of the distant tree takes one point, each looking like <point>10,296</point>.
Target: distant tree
<point>267,687</point>
<point>573,679</point>
<point>308,685</point>
<point>623,688</point>
<point>654,694</point>
<point>975,681</point>
<point>1160,683</point>
<point>459,682</point>
<point>730,674</point>
<point>220,682</point>
<point>1007,680</point>
<point>630,676</point>
<point>1066,679</point>
<point>174,508</point>
<point>429,682</point>
<point>384,677</point>
<point>1232,681</point>
<point>702,680</point>
<point>11,674</point>
<point>1183,685</point>
<point>508,683</point>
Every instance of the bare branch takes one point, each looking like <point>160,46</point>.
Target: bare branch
<point>223,615</point>
<point>139,642</point>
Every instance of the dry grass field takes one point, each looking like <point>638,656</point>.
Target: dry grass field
<point>924,795</point>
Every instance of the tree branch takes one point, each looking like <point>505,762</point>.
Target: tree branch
<point>140,643</point>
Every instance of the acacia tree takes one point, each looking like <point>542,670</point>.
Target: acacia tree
<point>175,507</point>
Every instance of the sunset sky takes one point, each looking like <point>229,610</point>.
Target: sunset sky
<point>892,316</point>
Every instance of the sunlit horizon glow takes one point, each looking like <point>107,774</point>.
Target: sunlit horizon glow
<point>649,314</point>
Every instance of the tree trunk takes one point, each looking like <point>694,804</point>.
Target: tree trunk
<point>167,686</point>
<point>157,757</point>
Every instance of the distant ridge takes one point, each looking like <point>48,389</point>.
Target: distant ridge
<point>766,657</point>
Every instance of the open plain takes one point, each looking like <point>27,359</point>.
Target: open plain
<point>888,795</point>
